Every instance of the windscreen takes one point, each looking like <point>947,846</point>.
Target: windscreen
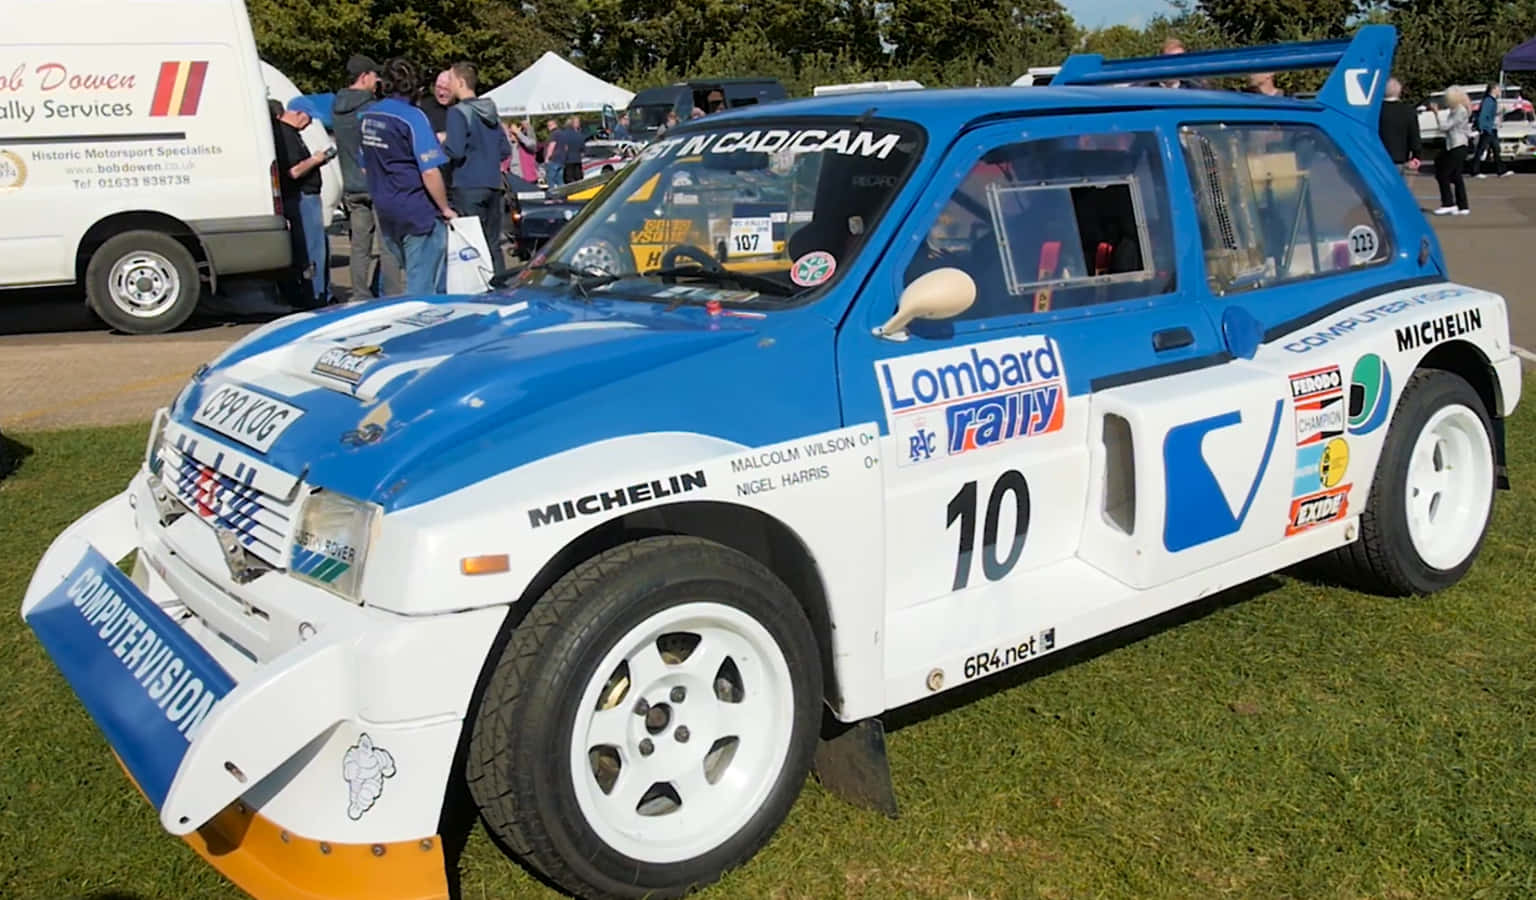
<point>758,212</point>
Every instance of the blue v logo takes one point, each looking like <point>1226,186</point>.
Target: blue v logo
<point>1197,510</point>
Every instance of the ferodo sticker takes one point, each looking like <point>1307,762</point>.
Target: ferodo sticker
<point>1320,410</point>
<point>1318,509</point>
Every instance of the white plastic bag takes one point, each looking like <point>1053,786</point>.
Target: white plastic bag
<point>469,258</point>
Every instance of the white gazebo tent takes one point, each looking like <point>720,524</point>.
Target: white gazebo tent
<point>553,86</point>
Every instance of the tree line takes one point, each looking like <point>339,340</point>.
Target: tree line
<point>640,43</point>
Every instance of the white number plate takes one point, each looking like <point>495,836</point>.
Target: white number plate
<point>253,419</point>
<point>752,237</point>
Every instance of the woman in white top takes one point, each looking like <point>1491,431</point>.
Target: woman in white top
<point>1450,165</point>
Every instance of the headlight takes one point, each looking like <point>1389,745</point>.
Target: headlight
<point>330,546</point>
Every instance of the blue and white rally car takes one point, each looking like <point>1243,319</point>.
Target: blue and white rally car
<point>976,376</point>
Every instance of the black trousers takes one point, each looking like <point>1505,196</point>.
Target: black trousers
<point>572,172</point>
<point>490,205</point>
<point>1488,142</point>
<point>1453,180</point>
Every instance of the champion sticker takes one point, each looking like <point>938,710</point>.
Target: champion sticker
<point>813,268</point>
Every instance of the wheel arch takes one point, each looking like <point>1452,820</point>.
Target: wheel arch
<point>1468,361</point>
<point>142,220</point>
<point>742,528</point>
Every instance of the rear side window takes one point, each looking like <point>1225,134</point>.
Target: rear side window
<point>1279,203</point>
<point>1058,223</point>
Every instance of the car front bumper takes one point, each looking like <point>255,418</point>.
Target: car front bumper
<point>317,771</point>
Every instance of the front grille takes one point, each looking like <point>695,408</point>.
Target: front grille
<point>221,490</point>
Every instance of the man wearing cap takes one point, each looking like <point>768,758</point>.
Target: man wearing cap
<point>403,161</point>
<point>369,279</point>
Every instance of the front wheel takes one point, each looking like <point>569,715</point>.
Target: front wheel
<point>1432,496</point>
<point>650,722</point>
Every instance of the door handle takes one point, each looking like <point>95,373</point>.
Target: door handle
<point>1171,339</point>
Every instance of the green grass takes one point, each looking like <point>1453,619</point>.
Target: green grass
<point>1285,740</point>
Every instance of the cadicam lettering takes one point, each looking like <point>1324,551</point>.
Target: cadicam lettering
<point>1433,331</point>
<point>844,141</point>
<point>618,498</point>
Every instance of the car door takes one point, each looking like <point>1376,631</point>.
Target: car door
<point>1067,227</point>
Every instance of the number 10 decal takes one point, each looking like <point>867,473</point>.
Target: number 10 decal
<point>962,507</point>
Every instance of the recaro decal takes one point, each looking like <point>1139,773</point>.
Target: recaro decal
<point>1197,509</point>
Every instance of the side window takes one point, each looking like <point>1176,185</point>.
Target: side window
<point>1058,223</point>
<point>1278,203</point>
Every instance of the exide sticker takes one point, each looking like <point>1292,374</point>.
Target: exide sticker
<point>948,402</point>
<point>1318,509</point>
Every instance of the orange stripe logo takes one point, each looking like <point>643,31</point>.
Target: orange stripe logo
<point>179,89</point>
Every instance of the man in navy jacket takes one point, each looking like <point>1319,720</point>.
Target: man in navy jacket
<point>477,145</point>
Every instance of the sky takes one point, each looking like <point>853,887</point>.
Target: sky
<point>1102,13</point>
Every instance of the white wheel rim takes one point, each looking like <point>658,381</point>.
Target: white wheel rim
<point>719,770</point>
<point>599,256</point>
<point>144,284</point>
<point>1449,487</point>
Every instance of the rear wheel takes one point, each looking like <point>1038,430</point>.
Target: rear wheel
<point>142,282</point>
<point>1432,497</point>
<point>651,721</point>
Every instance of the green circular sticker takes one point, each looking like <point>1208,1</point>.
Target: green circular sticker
<point>813,268</point>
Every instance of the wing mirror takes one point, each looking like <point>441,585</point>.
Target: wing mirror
<point>940,294</point>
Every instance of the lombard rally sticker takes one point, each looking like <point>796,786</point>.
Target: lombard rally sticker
<point>949,402</point>
<point>349,365</point>
<point>1319,399</point>
<point>253,419</point>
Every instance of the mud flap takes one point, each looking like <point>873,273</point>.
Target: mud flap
<point>851,763</point>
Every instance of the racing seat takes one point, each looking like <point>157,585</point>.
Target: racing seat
<point>850,193</point>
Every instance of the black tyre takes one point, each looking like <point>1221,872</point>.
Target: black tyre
<point>142,282</point>
<point>650,722</point>
<point>1432,497</point>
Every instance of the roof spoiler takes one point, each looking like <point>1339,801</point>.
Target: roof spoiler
<point>1360,67</point>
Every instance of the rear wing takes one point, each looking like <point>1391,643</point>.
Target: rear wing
<point>1355,88</point>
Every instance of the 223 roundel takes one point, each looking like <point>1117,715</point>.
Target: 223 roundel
<point>954,401</point>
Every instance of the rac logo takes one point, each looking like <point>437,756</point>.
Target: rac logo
<point>1355,89</point>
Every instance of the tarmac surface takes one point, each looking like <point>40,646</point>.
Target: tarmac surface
<point>61,368</point>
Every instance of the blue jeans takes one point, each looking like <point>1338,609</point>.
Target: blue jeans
<point>317,246</point>
<point>424,258</point>
<point>554,174</point>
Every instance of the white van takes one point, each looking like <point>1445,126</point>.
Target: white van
<point>136,154</point>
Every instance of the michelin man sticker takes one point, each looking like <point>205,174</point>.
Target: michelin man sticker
<point>365,767</point>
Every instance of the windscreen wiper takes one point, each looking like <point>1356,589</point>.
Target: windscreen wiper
<point>585,279</point>
<point>725,276</point>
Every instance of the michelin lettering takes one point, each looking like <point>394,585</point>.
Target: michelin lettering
<point>949,402</point>
<point>619,498</point>
<point>1440,328</point>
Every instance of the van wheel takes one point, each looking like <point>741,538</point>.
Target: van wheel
<point>650,723</point>
<point>1432,497</point>
<point>142,282</point>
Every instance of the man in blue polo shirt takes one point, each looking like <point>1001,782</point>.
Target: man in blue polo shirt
<point>403,162</point>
